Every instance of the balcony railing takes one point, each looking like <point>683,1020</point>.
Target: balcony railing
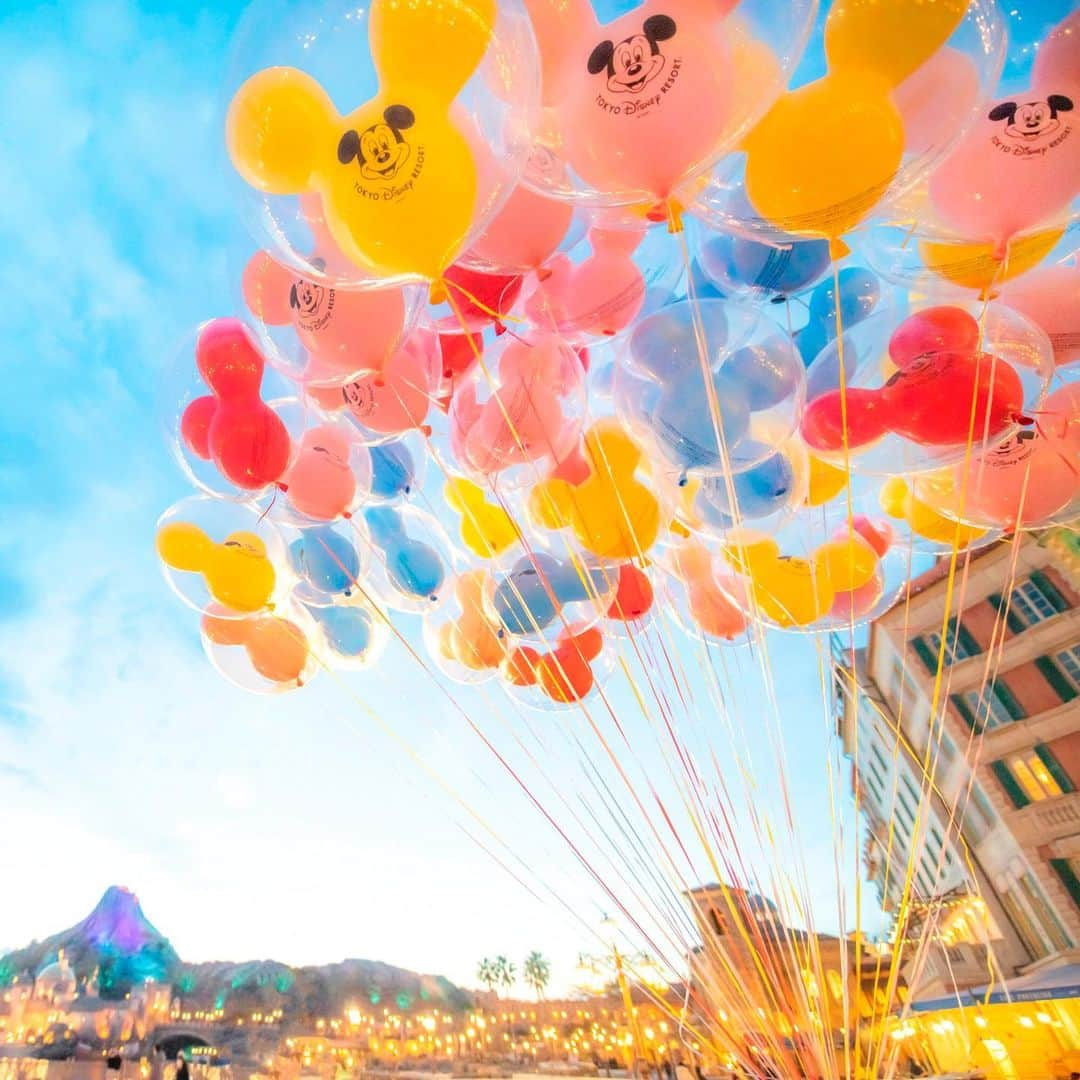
<point>1048,819</point>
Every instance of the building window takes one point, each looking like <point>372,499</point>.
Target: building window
<point>1062,672</point>
<point>1033,776</point>
<point>959,645</point>
<point>1066,869</point>
<point>1033,601</point>
<point>1017,796</point>
<point>994,707</point>
<point>979,816</point>
<point>1044,913</point>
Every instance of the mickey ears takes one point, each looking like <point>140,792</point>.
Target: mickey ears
<point>399,117</point>
<point>349,147</point>
<point>1059,103</point>
<point>1005,111</point>
<point>277,123</point>
<point>600,56</point>
<point>659,27</point>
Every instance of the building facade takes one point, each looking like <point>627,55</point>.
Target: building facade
<point>967,771</point>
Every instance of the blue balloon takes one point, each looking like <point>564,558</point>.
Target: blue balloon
<point>774,271</point>
<point>759,491</point>
<point>810,340</point>
<point>767,373</point>
<point>534,591</point>
<point>683,420</point>
<point>348,630</point>
<point>325,560</point>
<point>859,293</point>
<point>392,470</point>
<point>415,568</point>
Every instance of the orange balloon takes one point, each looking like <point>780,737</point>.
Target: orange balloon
<point>278,649</point>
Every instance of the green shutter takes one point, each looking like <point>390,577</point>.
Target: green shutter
<point>1013,707</point>
<point>1053,767</point>
<point>1012,620</point>
<point>1012,788</point>
<point>967,640</point>
<point>925,654</point>
<point>1068,878</point>
<point>1049,671</point>
<point>1050,591</point>
<point>961,706</point>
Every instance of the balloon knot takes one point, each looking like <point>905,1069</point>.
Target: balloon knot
<point>425,430</point>
<point>500,329</point>
<point>656,213</point>
<point>346,514</point>
<point>437,293</point>
<point>280,486</point>
<point>543,274</point>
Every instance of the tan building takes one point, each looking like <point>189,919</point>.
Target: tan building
<point>969,781</point>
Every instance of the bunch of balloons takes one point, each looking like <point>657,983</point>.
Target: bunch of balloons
<point>559,325</point>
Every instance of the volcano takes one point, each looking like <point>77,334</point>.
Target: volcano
<point>116,940</point>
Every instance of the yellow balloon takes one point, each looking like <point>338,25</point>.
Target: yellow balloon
<point>485,529</point>
<point>847,564</point>
<point>788,591</point>
<point>826,481</point>
<point>396,176</point>
<point>890,37</point>
<point>823,155</point>
<point>899,501</point>
<point>182,546</point>
<point>237,572</point>
<point>975,266</point>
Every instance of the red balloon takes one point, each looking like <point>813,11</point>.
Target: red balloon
<point>195,426</point>
<point>822,423</point>
<point>481,297</point>
<point>245,438</point>
<point>459,353</point>
<point>936,329</point>
<point>932,400</point>
<point>633,596</point>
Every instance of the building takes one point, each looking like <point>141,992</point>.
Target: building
<point>967,773</point>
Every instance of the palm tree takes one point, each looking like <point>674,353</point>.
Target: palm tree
<point>506,973</point>
<point>537,972</point>
<point>488,973</point>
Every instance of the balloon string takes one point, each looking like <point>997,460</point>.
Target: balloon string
<point>446,285</point>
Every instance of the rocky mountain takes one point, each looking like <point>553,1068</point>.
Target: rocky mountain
<point>118,941</point>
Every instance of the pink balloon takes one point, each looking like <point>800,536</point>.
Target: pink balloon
<point>641,102</point>
<point>935,99</point>
<point>1031,476</point>
<point>878,534</point>
<point>1050,297</point>
<point>1058,57</point>
<point>344,331</point>
<point>398,400</point>
<point>1017,167</point>
<point>526,231</point>
<point>320,482</point>
<point>858,603</point>
<point>600,296</point>
<point>526,417</point>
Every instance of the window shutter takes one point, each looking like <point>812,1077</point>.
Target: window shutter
<point>1053,767</point>
<point>1068,878</point>
<point>925,654</point>
<point>1012,620</point>
<point>968,644</point>
<point>1049,671</point>
<point>1015,792</point>
<point>1050,591</point>
<point>1013,707</point>
<point>961,706</point>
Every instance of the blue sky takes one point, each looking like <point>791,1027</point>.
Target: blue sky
<point>290,827</point>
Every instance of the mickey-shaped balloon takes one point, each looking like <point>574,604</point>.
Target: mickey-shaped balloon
<point>237,572</point>
<point>393,471</point>
<point>564,674</point>
<point>326,562</point>
<point>396,176</point>
<point>277,648</point>
<point>414,567</point>
<point>612,513</point>
<point>472,639</point>
<point>634,595</point>
<point>486,530</point>
<point>709,592</point>
<point>898,498</point>
<point>320,483</point>
<point>348,630</point>
<point>235,428</point>
<point>859,293</point>
<point>530,596</point>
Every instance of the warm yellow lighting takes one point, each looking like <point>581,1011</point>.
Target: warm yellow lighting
<point>1026,1021</point>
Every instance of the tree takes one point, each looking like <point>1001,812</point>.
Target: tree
<point>505,972</point>
<point>488,973</point>
<point>537,972</point>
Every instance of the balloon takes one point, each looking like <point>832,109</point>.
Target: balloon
<point>613,514</point>
<point>414,568</point>
<point>393,471</point>
<point>633,595</point>
<point>486,530</point>
<point>759,491</point>
<point>472,639</point>
<point>234,428</point>
<point>935,100</point>
<point>524,233</point>
<point>532,413</point>
<point>320,482</point>
<point>599,296</point>
<point>984,266</point>
<point>327,563</point>
<point>637,105</point>
<point>397,178</point>
<point>343,331</point>
<point>766,270</point>
<point>348,631</point>
<point>277,648</point>
<point>889,37</point>
<point>825,153</point>
<point>537,588</point>
<point>237,572</point>
<point>709,594</point>
<point>1050,297</point>
<point>933,330</point>
<point>478,299</point>
<point>859,291</point>
<point>899,501</point>
<point>825,481</point>
<point>1057,59</point>
<point>566,674</point>
<point>1017,167</point>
